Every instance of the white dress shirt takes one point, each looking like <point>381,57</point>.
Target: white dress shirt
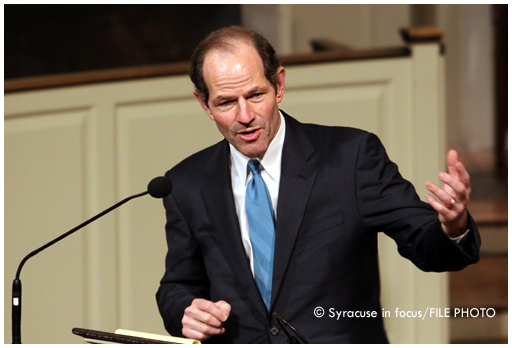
<point>241,175</point>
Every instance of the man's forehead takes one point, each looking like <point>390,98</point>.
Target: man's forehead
<point>236,48</point>
<point>223,61</point>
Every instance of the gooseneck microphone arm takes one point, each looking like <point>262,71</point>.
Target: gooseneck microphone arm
<point>49,244</point>
<point>158,188</point>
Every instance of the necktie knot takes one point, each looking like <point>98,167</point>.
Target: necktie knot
<point>254,166</point>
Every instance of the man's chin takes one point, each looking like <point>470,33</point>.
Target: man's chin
<point>252,151</point>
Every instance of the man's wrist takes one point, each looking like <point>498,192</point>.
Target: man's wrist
<point>459,238</point>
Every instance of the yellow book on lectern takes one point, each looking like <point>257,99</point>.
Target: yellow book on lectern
<point>151,336</point>
<point>128,337</point>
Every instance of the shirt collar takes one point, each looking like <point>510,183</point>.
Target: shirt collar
<point>271,161</point>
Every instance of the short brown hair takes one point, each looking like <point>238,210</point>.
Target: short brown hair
<point>223,39</point>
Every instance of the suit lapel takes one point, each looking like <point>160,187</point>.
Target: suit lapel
<point>218,197</point>
<point>298,174</point>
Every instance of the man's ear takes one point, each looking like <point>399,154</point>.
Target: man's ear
<point>204,104</point>
<point>280,73</point>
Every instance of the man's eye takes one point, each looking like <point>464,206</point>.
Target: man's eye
<point>225,103</point>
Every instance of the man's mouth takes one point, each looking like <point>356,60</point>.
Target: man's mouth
<point>250,134</point>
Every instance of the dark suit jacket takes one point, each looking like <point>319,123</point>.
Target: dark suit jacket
<point>338,190</point>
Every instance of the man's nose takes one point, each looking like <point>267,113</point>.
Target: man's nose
<point>245,115</point>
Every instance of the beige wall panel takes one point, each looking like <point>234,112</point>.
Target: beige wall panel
<point>372,95</point>
<point>152,137</point>
<point>44,188</point>
<point>352,106</point>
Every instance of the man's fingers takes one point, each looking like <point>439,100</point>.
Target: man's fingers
<point>444,197</point>
<point>199,326</point>
<point>210,310</point>
<point>454,188</point>
<point>447,213</point>
<point>199,335</point>
<point>463,174</point>
<point>198,315</point>
<point>451,162</point>
<point>192,334</point>
<point>456,168</point>
<point>458,188</point>
<point>204,318</point>
<point>224,307</point>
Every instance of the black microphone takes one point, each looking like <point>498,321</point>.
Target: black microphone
<point>159,187</point>
<point>296,336</point>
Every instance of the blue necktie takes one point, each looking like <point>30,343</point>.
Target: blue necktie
<point>260,216</point>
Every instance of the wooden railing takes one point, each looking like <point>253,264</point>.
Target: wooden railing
<point>158,70</point>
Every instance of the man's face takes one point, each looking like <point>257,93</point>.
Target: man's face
<point>242,102</point>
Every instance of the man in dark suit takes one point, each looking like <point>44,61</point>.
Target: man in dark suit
<point>330,189</point>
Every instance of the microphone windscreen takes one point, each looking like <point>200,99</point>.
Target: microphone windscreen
<point>159,187</point>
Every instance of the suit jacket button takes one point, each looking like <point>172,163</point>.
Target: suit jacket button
<point>274,331</point>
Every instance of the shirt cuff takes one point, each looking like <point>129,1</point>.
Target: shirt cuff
<point>459,238</point>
